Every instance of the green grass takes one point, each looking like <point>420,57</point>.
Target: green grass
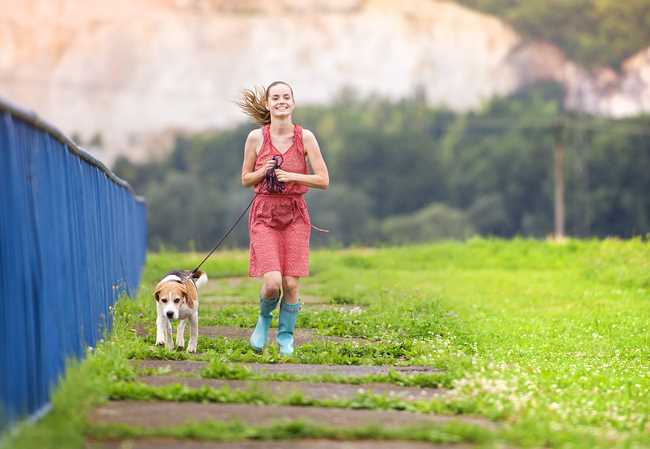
<point>215,431</point>
<point>550,341</point>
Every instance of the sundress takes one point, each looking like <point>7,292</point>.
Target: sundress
<point>278,223</point>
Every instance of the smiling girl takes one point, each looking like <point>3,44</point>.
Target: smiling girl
<point>276,158</point>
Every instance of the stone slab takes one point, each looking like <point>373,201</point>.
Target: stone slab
<point>165,443</point>
<point>301,369</point>
<point>213,297</point>
<point>301,336</point>
<point>321,390</point>
<point>214,284</point>
<point>164,414</point>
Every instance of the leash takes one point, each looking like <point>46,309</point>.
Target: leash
<point>273,186</point>
<point>225,235</point>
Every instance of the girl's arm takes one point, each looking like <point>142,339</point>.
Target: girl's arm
<point>250,176</point>
<point>320,178</point>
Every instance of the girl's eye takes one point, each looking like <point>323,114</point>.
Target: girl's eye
<point>177,300</point>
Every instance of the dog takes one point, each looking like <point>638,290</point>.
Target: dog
<point>177,298</point>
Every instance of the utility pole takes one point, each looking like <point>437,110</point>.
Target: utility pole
<point>558,163</point>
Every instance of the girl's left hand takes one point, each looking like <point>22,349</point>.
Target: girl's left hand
<point>283,176</point>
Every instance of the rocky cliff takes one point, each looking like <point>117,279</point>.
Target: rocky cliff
<point>138,72</point>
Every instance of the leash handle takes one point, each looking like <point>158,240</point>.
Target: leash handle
<point>273,186</point>
<point>270,178</point>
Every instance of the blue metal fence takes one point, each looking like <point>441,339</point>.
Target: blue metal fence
<point>72,239</point>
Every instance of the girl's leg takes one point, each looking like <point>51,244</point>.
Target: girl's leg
<point>290,289</point>
<point>269,296</point>
<point>288,314</point>
<point>272,282</point>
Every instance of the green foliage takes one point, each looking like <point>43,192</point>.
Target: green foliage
<point>433,222</point>
<point>489,172</point>
<point>593,32</point>
<point>451,432</point>
<point>549,340</point>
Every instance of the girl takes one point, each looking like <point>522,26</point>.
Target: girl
<point>275,163</point>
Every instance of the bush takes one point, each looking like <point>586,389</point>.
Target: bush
<point>433,222</point>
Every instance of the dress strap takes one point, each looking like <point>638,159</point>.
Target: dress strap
<point>297,139</point>
<point>266,133</point>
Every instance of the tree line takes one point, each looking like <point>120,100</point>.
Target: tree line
<point>405,172</point>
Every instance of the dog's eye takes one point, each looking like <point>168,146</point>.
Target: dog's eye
<point>177,300</point>
<point>164,300</point>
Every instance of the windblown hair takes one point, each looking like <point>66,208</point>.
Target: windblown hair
<point>253,103</point>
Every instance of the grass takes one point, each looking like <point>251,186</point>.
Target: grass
<point>551,341</point>
<point>215,431</point>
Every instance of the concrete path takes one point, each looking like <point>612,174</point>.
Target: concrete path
<point>163,415</point>
<point>175,366</point>
<point>161,443</point>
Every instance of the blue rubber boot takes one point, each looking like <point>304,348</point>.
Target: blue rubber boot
<point>261,332</point>
<point>286,325</point>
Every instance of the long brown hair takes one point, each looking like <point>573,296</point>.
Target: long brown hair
<point>253,103</point>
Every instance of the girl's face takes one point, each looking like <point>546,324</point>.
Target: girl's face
<point>280,101</point>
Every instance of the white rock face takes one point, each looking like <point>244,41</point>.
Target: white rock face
<point>139,71</point>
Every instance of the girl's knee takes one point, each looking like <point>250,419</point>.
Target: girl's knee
<point>272,284</point>
<point>290,285</point>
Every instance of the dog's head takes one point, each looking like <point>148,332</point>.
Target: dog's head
<point>174,294</point>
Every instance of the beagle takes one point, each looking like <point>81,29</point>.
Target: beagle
<point>177,298</point>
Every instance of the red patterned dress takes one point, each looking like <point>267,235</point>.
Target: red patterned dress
<point>278,223</point>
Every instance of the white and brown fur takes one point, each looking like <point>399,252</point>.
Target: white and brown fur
<point>177,298</point>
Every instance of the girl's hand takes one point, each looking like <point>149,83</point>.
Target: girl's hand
<point>269,165</point>
<point>283,176</point>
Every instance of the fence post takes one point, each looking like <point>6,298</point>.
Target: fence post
<point>558,177</point>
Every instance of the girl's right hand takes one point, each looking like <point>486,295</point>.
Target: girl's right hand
<point>269,165</point>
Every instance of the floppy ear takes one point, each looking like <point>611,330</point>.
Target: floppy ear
<point>156,294</point>
<point>190,292</point>
<point>200,278</point>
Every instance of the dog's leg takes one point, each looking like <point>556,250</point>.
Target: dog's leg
<point>160,327</point>
<point>169,342</point>
<point>180,334</point>
<point>194,332</point>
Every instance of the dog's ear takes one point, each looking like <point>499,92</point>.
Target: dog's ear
<point>200,278</point>
<point>156,294</point>
<point>190,292</point>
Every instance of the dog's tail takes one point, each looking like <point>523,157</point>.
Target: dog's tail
<point>200,278</point>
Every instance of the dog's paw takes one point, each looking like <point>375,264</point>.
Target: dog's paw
<point>180,347</point>
<point>160,342</point>
<point>191,349</point>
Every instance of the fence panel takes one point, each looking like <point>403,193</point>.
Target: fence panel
<point>72,240</point>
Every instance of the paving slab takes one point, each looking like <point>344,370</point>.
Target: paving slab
<point>165,443</point>
<point>164,414</point>
<point>301,336</point>
<point>213,297</point>
<point>215,301</point>
<point>214,284</point>
<point>321,390</point>
<point>343,308</point>
<point>213,305</point>
<point>289,368</point>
